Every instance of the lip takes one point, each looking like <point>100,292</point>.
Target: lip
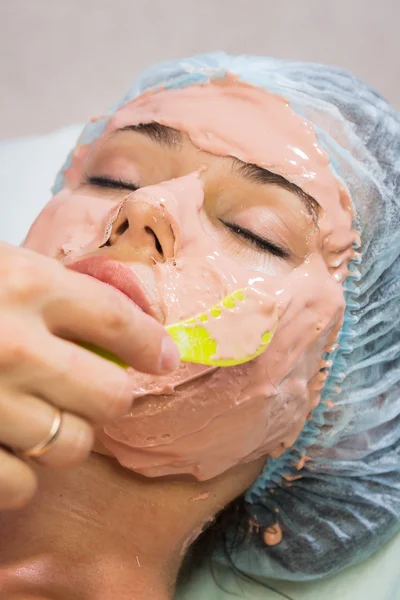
<point>117,275</point>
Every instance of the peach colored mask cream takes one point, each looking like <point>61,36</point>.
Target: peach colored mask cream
<point>230,189</point>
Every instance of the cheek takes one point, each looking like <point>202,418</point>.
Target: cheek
<point>70,223</point>
<point>202,276</point>
<point>203,428</point>
<point>191,286</point>
<point>208,425</point>
<point>312,307</point>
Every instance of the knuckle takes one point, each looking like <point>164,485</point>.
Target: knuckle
<point>115,321</point>
<point>15,350</point>
<point>24,281</point>
<point>80,442</point>
<point>116,317</point>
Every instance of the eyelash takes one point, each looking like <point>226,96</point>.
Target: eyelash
<point>107,182</point>
<point>255,240</point>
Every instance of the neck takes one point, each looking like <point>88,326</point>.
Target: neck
<point>100,532</point>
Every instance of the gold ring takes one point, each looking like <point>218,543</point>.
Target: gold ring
<point>43,446</point>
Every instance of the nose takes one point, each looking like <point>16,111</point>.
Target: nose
<point>142,230</point>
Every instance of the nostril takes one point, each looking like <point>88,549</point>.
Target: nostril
<point>156,240</point>
<point>158,246</point>
<point>122,228</point>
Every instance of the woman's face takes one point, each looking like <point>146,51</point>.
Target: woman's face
<point>199,192</point>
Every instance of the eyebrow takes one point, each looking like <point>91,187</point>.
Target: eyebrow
<point>262,176</point>
<point>163,135</point>
<point>172,138</point>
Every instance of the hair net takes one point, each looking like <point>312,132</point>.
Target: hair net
<point>347,502</point>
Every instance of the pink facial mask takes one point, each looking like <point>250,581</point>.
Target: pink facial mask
<point>202,420</point>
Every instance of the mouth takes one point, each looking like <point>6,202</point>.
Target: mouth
<point>119,276</point>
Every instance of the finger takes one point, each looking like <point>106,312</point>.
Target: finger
<point>24,421</point>
<point>83,383</point>
<point>17,481</point>
<point>27,421</point>
<point>91,311</point>
<point>72,445</point>
<point>37,363</point>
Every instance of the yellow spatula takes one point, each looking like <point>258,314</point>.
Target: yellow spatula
<point>194,340</point>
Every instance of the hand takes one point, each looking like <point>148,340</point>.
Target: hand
<point>42,306</point>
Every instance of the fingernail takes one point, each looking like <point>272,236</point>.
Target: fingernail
<point>170,357</point>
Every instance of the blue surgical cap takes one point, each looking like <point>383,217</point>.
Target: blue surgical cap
<point>347,502</point>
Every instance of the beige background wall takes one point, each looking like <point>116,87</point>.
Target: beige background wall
<point>62,61</point>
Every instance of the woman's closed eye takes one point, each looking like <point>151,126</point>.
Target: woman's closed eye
<point>110,182</point>
<point>257,241</point>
